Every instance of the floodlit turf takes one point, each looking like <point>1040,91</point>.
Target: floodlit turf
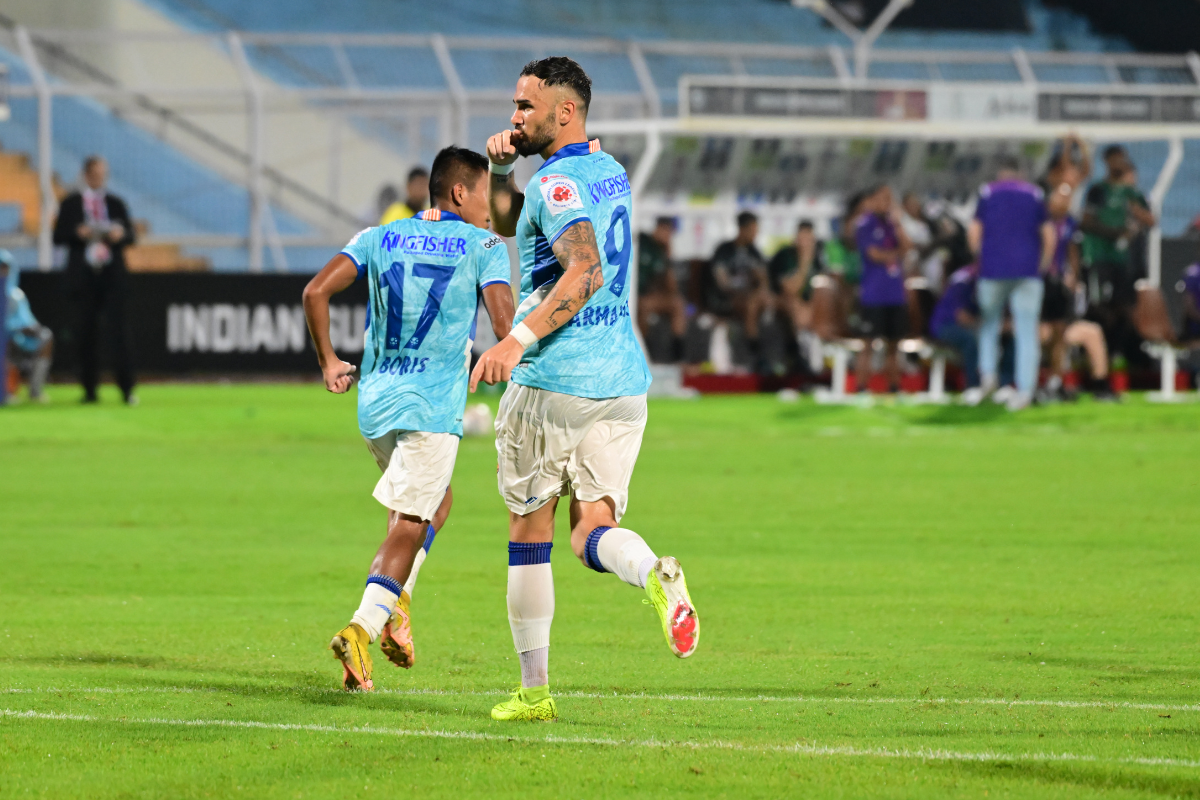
<point>896,602</point>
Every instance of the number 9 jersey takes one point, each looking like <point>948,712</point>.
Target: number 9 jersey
<point>596,354</point>
<point>425,276</point>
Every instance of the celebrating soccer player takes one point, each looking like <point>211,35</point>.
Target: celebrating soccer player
<point>574,413</point>
<point>425,275</point>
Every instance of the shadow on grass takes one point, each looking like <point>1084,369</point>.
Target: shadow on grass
<point>101,659</point>
<point>1095,778</point>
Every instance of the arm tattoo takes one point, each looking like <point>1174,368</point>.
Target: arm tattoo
<point>576,248</point>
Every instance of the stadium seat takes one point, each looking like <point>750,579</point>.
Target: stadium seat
<point>1154,325</point>
<point>829,324</point>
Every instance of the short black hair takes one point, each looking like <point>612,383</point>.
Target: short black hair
<point>562,71</point>
<point>674,223</point>
<point>805,225</point>
<point>1008,162</point>
<point>417,172</point>
<point>454,165</point>
<point>745,218</point>
<point>1113,150</point>
<point>91,161</point>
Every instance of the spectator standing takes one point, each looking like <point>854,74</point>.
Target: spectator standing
<point>736,287</point>
<point>882,246</point>
<point>416,198</point>
<point>955,320</point>
<point>658,288</point>
<point>790,273</point>
<point>1015,242</point>
<point>1115,214</point>
<point>94,226</point>
<point>30,344</point>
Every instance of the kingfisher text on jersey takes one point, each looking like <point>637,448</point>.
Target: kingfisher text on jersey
<point>596,355</point>
<point>425,274</point>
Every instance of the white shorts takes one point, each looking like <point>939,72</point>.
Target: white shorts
<point>548,442</point>
<point>416,470</point>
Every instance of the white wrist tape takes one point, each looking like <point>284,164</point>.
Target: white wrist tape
<point>523,335</point>
<point>501,169</point>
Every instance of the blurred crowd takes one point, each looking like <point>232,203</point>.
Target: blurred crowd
<point>1039,279</point>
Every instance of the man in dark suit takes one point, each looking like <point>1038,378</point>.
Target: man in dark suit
<point>95,227</point>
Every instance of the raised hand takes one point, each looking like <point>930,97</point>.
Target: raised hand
<point>500,149</point>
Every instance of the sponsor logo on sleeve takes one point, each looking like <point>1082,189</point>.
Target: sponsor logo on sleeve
<point>560,193</point>
<point>357,236</point>
<point>491,242</point>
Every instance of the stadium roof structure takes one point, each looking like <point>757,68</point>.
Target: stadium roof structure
<point>734,90</point>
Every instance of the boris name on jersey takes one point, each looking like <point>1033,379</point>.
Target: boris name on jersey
<point>423,243</point>
<point>560,193</point>
<point>599,315</point>
<point>616,186</point>
<point>407,365</point>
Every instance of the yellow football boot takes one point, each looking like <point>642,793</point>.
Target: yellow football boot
<point>669,595</point>
<point>527,705</point>
<point>349,646</point>
<point>396,641</point>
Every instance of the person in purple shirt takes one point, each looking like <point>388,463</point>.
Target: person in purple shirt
<point>882,244</point>
<point>1191,302</point>
<point>1015,242</point>
<point>955,320</point>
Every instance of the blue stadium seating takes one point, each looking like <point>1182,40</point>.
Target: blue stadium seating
<point>170,190</point>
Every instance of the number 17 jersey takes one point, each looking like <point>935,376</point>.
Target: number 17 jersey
<point>596,354</point>
<point>425,275</point>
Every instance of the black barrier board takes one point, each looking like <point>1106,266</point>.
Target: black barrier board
<point>205,323</point>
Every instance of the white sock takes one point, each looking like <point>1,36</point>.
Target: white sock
<point>530,595</point>
<point>535,668</point>
<point>620,551</point>
<point>411,583</point>
<point>378,603</point>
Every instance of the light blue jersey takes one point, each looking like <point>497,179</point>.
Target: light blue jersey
<point>425,276</point>
<point>596,354</point>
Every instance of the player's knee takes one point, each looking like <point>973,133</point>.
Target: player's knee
<point>407,528</point>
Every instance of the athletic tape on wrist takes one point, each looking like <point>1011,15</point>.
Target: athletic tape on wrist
<point>523,335</point>
<point>501,169</point>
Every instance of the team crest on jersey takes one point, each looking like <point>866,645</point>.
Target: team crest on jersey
<point>560,193</point>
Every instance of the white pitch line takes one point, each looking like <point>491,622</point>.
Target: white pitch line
<point>797,748</point>
<point>698,698</point>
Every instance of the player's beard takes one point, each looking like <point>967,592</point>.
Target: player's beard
<point>534,140</point>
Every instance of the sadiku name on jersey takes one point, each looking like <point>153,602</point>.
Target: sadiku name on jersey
<point>560,193</point>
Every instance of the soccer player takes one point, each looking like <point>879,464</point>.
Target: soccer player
<point>425,276</point>
<point>574,413</point>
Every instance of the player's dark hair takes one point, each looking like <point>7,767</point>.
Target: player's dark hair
<point>454,165</point>
<point>1113,150</point>
<point>417,172</point>
<point>91,161</point>
<point>562,71</point>
<point>805,225</point>
<point>746,218</point>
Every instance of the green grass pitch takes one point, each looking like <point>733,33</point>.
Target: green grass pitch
<point>896,602</point>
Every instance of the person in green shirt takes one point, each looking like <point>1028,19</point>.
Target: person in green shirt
<point>790,273</point>
<point>1115,215</point>
<point>658,288</point>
